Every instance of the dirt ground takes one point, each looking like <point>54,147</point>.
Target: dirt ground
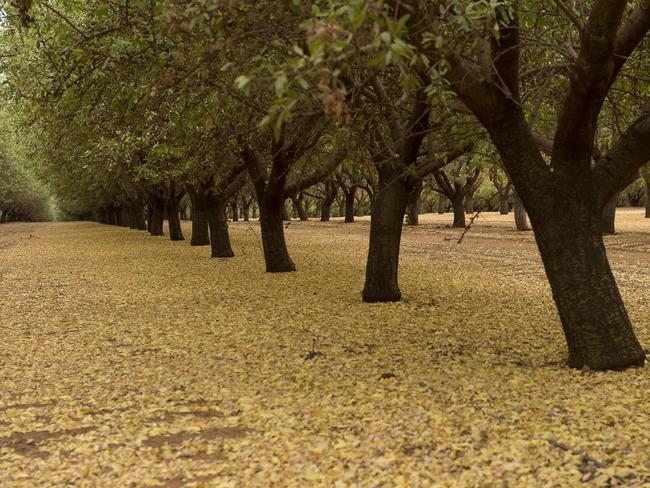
<point>128,360</point>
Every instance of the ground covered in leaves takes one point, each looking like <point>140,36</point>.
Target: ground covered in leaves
<point>128,360</point>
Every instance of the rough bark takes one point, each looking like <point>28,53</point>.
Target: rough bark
<point>608,219</point>
<point>276,254</point>
<point>596,325</point>
<point>200,232</point>
<point>387,213</point>
<point>218,224</point>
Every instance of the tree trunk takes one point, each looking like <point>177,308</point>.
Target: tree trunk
<point>276,254</point>
<point>521,221</point>
<point>157,216</point>
<point>200,233</point>
<point>138,213</point>
<point>504,206</point>
<point>349,205</point>
<point>149,217</point>
<point>173,219</point>
<point>299,205</point>
<point>608,219</point>
<point>459,210</point>
<point>647,197</point>
<point>443,204</point>
<point>326,211</point>
<point>246,210</point>
<point>218,221</point>
<point>254,211</point>
<point>285,214</point>
<point>234,208</point>
<point>387,213</point>
<point>413,205</point>
<point>595,322</point>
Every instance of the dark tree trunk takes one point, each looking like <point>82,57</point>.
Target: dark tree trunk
<point>149,217</point>
<point>459,210</point>
<point>608,219</point>
<point>325,211</point>
<point>443,204</point>
<point>122,216</point>
<point>138,214</point>
<point>387,213</point>
<point>218,221</point>
<point>131,214</point>
<point>299,205</point>
<point>349,204</point>
<point>413,205</point>
<point>173,219</point>
<point>234,208</point>
<point>595,322</point>
<point>521,221</point>
<point>276,254</point>
<point>200,233</point>
<point>245,208</point>
<point>157,216</point>
<point>647,197</point>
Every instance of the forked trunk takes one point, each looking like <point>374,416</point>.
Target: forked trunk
<point>349,205</point>
<point>174,221</point>
<point>200,233</point>
<point>387,213</point>
<point>413,205</point>
<point>608,219</point>
<point>595,322</point>
<point>218,221</point>
<point>459,210</point>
